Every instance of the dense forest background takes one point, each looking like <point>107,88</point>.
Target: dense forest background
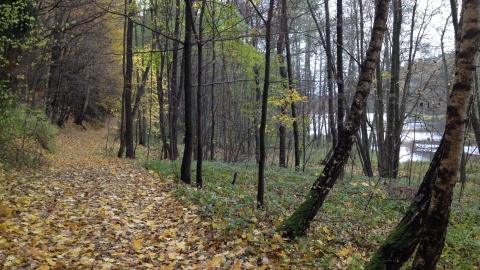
<point>262,83</point>
<point>74,59</point>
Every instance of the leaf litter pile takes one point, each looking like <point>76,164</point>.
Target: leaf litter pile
<point>88,211</point>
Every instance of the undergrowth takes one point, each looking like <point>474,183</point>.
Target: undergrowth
<point>354,220</point>
<point>26,136</point>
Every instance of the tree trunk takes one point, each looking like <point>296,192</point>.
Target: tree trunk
<point>140,92</point>
<point>212,108</point>
<point>198,177</point>
<point>426,221</point>
<point>393,97</point>
<point>431,244</point>
<point>296,136</point>
<point>340,86</point>
<point>130,149</point>
<point>330,68</point>
<point>185,174</point>
<point>174,97</point>
<point>160,95</point>
<point>298,223</point>
<point>282,130</point>
<point>263,121</point>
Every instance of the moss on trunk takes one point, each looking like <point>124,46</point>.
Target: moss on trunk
<point>298,222</point>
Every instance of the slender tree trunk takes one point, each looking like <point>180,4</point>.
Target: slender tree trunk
<point>426,221</point>
<point>160,95</point>
<point>296,136</point>
<point>393,97</point>
<point>130,148</point>
<point>198,179</point>
<point>185,174</point>
<point>298,223</point>
<point>140,92</point>
<point>330,68</point>
<point>282,130</point>
<point>256,123</point>
<point>263,121</point>
<point>174,96</point>
<point>340,85</point>
<point>380,125</point>
<point>212,108</point>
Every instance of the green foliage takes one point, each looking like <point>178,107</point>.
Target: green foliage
<point>354,220</point>
<point>23,131</point>
<point>18,17</point>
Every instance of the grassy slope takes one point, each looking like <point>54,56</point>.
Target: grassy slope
<point>354,220</point>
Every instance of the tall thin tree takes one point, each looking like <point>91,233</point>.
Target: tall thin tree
<point>298,223</point>
<point>185,173</point>
<point>263,120</point>
<point>423,227</point>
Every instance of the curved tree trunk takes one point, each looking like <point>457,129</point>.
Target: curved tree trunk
<point>426,221</point>
<point>298,223</point>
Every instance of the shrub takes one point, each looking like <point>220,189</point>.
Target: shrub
<point>24,131</point>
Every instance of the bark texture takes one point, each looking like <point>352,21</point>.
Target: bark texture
<point>424,225</point>
<point>298,223</point>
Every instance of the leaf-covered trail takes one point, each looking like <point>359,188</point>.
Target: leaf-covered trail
<point>87,211</point>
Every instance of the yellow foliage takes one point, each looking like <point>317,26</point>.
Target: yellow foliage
<point>5,211</point>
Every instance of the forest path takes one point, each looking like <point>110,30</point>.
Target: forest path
<point>89,211</point>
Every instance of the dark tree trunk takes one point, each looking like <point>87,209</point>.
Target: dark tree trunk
<point>212,108</point>
<point>140,92</point>
<point>431,244</point>
<point>160,95</point>
<point>380,123</point>
<point>340,85</point>
<point>263,121</point>
<point>282,130</point>
<point>296,136</point>
<point>258,98</point>
<point>199,38</point>
<point>330,70</point>
<point>130,148</point>
<point>426,221</point>
<point>185,174</point>
<point>175,93</point>
<point>393,117</point>
<point>298,223</point>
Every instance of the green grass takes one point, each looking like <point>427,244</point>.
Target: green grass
<point>357,214</point>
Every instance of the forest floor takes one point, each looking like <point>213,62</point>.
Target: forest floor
<point>86,210</point>
<point>89,210</point>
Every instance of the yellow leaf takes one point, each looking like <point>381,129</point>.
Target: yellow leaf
<point>137,244</point>
<point>197,220</point>
<point>365,184</point>
<point>218,261</point>
<point>50,261</point>
<point>345,251</point>
<point>3,227</point>
<point>44,267</point>
<point>172,255</point>
<point>5,211</point>
<point>116,226</point>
